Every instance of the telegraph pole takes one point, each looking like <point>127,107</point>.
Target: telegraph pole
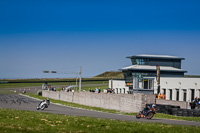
<point>80,78</point>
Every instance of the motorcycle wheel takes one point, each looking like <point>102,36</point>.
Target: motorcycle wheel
<point>43,107</point>
<point>38,108</point>
<point>138,116</point>
<point>149,115</point>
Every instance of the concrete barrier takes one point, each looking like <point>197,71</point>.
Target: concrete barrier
<point>121,102</point>
<point>182,104</point>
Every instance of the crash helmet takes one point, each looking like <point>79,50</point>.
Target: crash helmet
<point>153,105</point>
<point>47,99</point>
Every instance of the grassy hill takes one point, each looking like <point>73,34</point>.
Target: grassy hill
<point>192,76</point>
<point>120,75</point>
<point>109,74</point>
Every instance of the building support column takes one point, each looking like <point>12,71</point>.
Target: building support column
<point>188,95</point>
<point>196,93</point>
<point>167,94</point>
<point>174,94</point>
<point>180,94</point>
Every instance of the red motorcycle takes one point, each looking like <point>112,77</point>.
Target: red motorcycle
<point>148,112</point>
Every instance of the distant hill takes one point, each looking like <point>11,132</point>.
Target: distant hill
<point>120,75</point>
<point>109,74</point>
<point>192,76</point>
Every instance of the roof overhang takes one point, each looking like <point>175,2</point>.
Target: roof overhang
<point>156,57</point>
<point>151,68</point>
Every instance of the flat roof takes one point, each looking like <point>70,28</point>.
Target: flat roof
<point>155,56</point>
<point>152,68</point>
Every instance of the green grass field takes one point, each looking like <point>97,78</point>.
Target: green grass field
<point>27,121</point>
<point>12,121</point>
<point>17,85</point>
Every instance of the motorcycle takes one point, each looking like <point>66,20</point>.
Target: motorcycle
<point>147,112</point>
<point>43,104</point>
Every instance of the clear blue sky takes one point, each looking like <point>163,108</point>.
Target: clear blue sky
<point>97,35</point>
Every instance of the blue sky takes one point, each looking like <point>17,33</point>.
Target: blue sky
<point>97,35</point>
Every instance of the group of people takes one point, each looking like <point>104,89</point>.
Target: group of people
<point>161,96</point>
<point>97,90</point>
<point>66,89</point>
<point>195,103</point>
<point>109,90</point>
<point>52,89</point>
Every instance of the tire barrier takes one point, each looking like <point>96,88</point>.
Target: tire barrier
<point>176,110</point>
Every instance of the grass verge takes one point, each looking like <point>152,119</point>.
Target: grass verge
<point>158,115</point>
<point>15,85</point>
<point>27,121</point>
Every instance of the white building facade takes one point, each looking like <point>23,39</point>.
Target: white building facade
<point>178,89</point>
<point>140,77</point>
<point>119,86</point>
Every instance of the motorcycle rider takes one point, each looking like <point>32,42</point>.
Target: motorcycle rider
<point>47,100</point>
<point>146,110</point>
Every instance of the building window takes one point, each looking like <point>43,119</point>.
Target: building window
<point>124,90</point>
<point>192,94</point>
<point>143,83</point>
<point>139,61</point>
<point>199,93</point>
<point>164,91</point>
<point>120,90</point>
<point>177,95</point>
<point>184,95</point>
<point>170,94</point>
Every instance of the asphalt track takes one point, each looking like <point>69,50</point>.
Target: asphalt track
<point>20,102</point>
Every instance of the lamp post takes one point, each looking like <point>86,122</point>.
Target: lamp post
<point>80,73</point>
<point>80,78</point>
<point>158,78</point>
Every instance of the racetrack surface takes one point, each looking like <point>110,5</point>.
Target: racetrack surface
<point>20,102</point>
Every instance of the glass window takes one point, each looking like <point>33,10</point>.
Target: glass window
<point>199,93</point>
<point>140,61</point>
<point>151,84</point>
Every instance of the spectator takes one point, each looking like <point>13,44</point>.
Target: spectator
<point>192,104</point>
<point>159,96</point>
<point>196,100</point>
<point>162,96</point>
<point>109,91</point>
<point>99,90</point>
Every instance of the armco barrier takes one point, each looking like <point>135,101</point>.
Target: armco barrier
<point>176,110</point>
<point>121,102</point>
<point>182,104</point>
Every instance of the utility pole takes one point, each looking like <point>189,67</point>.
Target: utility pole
<point>76,81</point>
<point>80,78</point>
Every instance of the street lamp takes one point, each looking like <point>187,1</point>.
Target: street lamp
<point>80,73</point>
